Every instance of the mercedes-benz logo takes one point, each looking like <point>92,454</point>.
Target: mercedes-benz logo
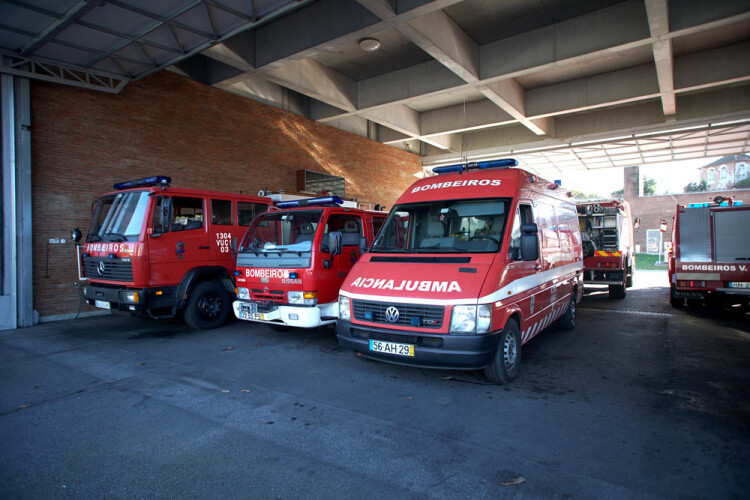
<point>391,314</point>
<point>100,269</point>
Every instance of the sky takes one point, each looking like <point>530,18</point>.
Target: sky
<point>670,177</point>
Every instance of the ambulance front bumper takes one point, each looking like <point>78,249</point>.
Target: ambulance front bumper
<point>283,314</point>
<point>453,352</point>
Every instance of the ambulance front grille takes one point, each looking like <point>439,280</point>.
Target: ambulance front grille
<point>108,269</point>
<point>408,314</point>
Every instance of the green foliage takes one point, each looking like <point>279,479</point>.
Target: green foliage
<point>578,195</point>
<point>695,187</point>
<point>620,193</point>
<point>744,183</point>
<point>644,261</point>
<point>649,186</point>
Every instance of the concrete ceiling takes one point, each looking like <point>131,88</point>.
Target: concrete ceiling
<point>560,84</point>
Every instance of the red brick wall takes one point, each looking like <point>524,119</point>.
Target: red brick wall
<point>652,209</point>
<point>83,141</point>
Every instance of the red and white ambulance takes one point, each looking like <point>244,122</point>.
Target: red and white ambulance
<point>469,266</point>
<point>292,261</point>
<point>157,250</point>
<point>710,257</point>
<point>608,249</point>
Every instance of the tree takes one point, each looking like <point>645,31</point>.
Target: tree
<point>620,193</point>
<point>649,186</point>
<point>744,183</point>
<point>578,195</point>
<point>696,187</point>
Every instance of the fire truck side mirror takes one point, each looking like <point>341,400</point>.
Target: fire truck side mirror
<point>334,243</point>
<point>529,242</point>
<point>76,235</point>
<point>362,245</point>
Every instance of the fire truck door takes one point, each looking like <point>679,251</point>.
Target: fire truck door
<point>350,227</point>
<point>183,246</point>
<point>221,232</point>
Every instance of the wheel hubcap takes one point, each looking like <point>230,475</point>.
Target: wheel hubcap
<point>210,306</point>
<point>509,351</point>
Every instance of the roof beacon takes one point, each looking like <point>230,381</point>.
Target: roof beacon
<point>326,200</point>
<point>156,180</point>
<point>504,163</point>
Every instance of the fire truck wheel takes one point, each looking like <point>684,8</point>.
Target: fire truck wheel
<point>505,363</point>
<point>617,291</point>
<point>568,320</point>
<point>629,280</point>
<point>207,307</point>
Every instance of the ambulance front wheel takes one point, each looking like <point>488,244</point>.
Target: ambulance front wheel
<point>507,359</point>
<point>207,306</point>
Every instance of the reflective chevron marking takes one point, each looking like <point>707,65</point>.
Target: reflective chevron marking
<point>543,323</point>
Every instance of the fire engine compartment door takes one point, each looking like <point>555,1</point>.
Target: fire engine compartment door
<point>732,239</point>
<point>695,235</point>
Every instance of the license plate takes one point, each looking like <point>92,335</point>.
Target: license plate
<point>739,284</point>
<point>392,348</point>
<point>252,316</point>
<point>102,304</point>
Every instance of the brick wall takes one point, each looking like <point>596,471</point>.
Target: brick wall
<point>83,141</point>
<point>652,209</point>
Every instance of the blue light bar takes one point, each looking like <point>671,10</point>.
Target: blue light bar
<point>505,162</point>
<point>146,181</point>
<point>326,200</point>
<point>698,205</point>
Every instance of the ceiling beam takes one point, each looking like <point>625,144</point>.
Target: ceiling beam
<point>658,23</point>
<point>315,80</point>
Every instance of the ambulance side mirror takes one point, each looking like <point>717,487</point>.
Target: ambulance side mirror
<point>529,242</point>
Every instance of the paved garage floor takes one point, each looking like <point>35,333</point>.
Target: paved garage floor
<point>639,401</point>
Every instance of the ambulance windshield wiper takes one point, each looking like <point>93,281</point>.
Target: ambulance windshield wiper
<point>441,250</point>
<point>393,250</point>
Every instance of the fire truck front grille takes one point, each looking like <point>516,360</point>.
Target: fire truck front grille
<point>408,314</point>
<point>108,269</point>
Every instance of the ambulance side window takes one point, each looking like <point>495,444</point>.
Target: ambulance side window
<point>523,216</point>
<point>548,226</point>
<point>221,212</point>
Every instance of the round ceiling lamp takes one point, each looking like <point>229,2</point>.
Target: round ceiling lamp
<point>369,44</point>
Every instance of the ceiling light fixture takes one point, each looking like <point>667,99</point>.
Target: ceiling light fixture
<point>369,44</point>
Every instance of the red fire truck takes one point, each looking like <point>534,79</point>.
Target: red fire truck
<point>608,251</point>
<point>468,266</point>
<point>710,257</point>
<point>292,261</point>
<point>156,250</point>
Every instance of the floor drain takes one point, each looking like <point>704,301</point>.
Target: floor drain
<point>636,313</point>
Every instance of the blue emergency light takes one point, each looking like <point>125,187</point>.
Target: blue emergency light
<point>707,204</point>
<point>480,165</point>
<point>326,200</point>
<point>156,180</point>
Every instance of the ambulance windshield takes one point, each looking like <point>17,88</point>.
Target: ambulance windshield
<point>119,217</point>
<point>279,232</point>
<point>445,226</point>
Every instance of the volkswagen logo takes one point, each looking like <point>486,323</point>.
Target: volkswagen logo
<point>391,314</point>
<point>100,269</point>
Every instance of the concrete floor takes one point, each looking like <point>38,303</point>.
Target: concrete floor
<point>638,401</point>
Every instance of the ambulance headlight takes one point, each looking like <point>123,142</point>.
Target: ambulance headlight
<point>129,297</point>
<point>344,308</point>
<point>243,293</point>
<point>302,298</point>
<point>471,319</point>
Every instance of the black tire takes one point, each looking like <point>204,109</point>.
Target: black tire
<point>507,359</point>
<point>629,279</point>
<point>675,301</point>
<point>207,306</point>
<point>617,291</point>
<point>568,320</point>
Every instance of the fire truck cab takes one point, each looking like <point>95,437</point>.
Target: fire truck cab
<point>710,257</point>
<point>156,250</point>
<point>468,266</point>
<point>608,251</point>
<point>292,261</point>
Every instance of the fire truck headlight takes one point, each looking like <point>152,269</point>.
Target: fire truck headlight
<point>129,297</point>
<point>464,319</point>
<point>243,293</point>
<point>344,308</point>
<point>484,318</point>
<point>302,298</point>
<point>295,298</point>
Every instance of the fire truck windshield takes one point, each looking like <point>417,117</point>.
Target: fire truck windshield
<point>277,232</point>
<point>444,226</point>
<point>119,217</point>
